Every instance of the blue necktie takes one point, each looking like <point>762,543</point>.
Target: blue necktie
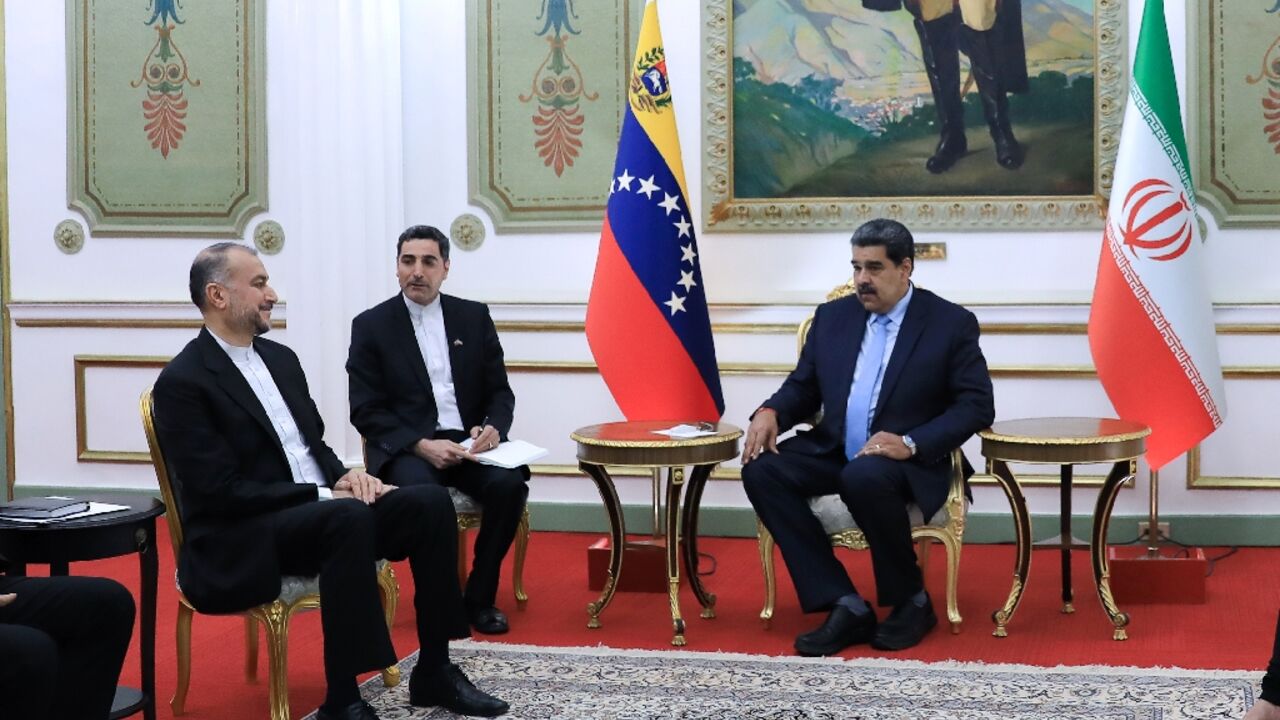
<point>856,417</point>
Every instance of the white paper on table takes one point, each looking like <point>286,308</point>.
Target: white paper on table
<point>510,454</point>
<point>685,431</point>
<point>95,508</point>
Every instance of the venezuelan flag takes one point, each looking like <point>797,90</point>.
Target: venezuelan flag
<point>647,320</point>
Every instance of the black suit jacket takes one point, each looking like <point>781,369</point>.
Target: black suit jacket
<point>392,404</point>
<point>229,469</point>
<point>936,387</point>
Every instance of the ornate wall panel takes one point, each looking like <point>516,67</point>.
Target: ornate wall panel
<point>1234,58</point>
<point>547,89</point>
<point>166,116</point>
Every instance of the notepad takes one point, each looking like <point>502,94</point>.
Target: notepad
<point>684,432</point>
<point>510,454</point>
<point>94,508</point>
<point>42,508</point>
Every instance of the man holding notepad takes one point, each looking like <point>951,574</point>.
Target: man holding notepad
<point>426,376</point>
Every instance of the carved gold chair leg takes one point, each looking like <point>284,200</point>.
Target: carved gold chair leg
<point>276,619</point>
<point>250,648</point>
<point>765,541</point>
<point>517,569</point>
<point>952,545</point>
<point>183,637</point>
<point>390,591</point>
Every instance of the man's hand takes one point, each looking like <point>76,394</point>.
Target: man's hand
<point>1261,710</point>
<point>440,453</point>
<point>762,435</point>
<point>7,598</point>
<point>361,486</point>
<point>885,444</point>
<point>484,438</point>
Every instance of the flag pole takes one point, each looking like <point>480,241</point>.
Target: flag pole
<point>1153,520</point>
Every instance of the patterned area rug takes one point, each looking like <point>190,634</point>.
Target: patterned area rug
<point>608,684</point>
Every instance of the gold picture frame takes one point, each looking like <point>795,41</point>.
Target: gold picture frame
<point>727,209</point>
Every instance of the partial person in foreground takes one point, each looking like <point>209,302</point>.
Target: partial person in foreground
<point>426,373</point>
<point>901,382</point>
<point>246,444</point>
<point>62,644</point>
<point>1268,705</point>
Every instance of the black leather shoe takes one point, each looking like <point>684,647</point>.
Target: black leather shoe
<point>906,626</point>
<point>358,710</point>
<point>450,689</point>
<point>841,629</point>
<point>488,620</point>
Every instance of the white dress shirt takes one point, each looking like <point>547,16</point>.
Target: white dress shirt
<point>428,328</point>
<point>895,316</point>
<point>302,465</point>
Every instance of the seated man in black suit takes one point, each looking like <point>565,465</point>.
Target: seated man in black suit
<point>426,372</point>
<point>62,644</point>
<point>246,445</point>
<point>901,381</point>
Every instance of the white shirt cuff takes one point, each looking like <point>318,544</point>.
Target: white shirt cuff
<point>324,493</point>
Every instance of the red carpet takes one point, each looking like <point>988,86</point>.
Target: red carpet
<point>1232,631</point>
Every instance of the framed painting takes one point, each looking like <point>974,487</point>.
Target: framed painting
<point>1234,55</point>
<point>166,119</point>
<point>824,113</point>
<point>547,90</point>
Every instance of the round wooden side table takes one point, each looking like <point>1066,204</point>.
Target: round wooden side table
<point>1064,442</point>
<point>635,444</point>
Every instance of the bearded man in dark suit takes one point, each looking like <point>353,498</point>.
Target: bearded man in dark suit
<point>245,444</point>
<point>426,373</point>
<point>902,382</point>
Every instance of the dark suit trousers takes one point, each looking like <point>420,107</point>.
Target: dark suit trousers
<point>501,493</point>
<point>1271,681</point>
<point>876,491</point>
<point>62,644</point>
<point>341,540</point>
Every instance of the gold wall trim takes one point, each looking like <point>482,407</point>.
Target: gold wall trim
<point>1068,372</point>
<point>101,302</point>
<point>553,326</point>
<point>558,470</point>
<point>6,339</point>
<point>1197,481</point>
<point>83,363</point>
<point>571,326</point>
<point>116,323</point>
<point>735,474</point>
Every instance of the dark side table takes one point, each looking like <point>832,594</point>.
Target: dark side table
<point>93,538</point>
<point>635,444</point>
<point>1065,442</point>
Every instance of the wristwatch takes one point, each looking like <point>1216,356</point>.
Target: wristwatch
<point>911,444</point>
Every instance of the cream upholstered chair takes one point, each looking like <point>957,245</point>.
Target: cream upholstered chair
<point>296,593</point>
<point>469,514</point>
<point>946,526</point>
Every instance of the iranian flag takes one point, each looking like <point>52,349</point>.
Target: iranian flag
<point>1151,326</point>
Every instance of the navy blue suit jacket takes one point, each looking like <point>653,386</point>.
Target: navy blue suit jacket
<point>936,387</point>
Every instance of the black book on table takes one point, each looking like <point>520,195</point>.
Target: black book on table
<point>42,508</point>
